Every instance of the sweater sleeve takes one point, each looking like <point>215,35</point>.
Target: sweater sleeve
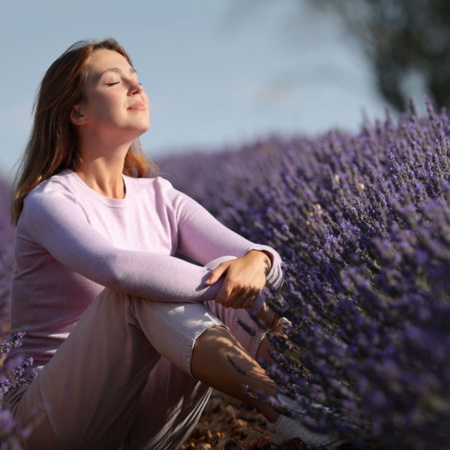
<point>203,238</point>
<point>55,222</point>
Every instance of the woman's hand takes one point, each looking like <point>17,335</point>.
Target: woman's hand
<point>244,279</point>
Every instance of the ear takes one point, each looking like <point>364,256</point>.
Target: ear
<point>76,116</point>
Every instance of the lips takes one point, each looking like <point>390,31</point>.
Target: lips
<point>138,106</point>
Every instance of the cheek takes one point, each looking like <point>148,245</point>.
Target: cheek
<point>102,102</point>
<point>146,98</point>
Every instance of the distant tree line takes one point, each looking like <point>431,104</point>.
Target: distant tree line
<point>403,39</point>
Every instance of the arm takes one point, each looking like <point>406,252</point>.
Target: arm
<point>55,222</point>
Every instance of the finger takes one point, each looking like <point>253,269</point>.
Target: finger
<point>250,298</point>
<point>253,296</point>
<point>242,299</point>
<point>224,296</point>
<point>216,274</point>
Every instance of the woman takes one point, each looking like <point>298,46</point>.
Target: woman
<point>127,339</point>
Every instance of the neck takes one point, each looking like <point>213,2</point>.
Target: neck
<point>102,171</point>
<point>106,182</point>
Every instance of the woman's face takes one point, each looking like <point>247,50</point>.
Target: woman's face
<point>114,103</point>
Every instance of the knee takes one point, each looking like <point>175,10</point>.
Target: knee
<point>212,338</point>
<point>212,344</point>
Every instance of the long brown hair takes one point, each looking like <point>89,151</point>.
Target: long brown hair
<point>52,144</point>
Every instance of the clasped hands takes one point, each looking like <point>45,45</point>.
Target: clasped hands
<point>243,279</point>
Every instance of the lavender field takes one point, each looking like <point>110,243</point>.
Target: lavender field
<point>11,433</point>
<point>362,222</point>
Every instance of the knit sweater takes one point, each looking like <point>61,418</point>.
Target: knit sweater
<point>72,242</point>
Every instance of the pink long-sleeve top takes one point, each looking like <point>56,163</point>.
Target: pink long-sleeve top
<point>72,242</point>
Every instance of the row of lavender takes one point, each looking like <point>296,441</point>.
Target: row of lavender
<point>11,433</point>
<point>363,224</point>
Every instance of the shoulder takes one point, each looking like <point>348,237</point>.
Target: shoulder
<point>62,182</point>
<point>49,193</point>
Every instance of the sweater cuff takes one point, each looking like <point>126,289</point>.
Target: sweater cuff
<point>275,275</point>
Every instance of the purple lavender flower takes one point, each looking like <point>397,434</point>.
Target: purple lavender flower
<point>12,433</point>
<point>363,224</point>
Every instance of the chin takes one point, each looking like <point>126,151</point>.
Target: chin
<point>145,129</point>
<point>141,131</point>
<point>142,127</point>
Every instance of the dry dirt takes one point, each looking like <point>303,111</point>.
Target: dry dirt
<point>227,424</point>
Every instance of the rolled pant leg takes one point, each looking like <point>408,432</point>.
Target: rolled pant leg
<point>172,401</point>
<point>184,397</point>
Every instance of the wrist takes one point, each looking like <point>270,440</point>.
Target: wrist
<point>265,257</point>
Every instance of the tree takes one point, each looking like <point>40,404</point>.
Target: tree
<point>404,39</point>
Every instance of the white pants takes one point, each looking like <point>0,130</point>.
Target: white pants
<point>122,379</point>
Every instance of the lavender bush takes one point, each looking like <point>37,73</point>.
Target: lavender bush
<point>12,433</point>
<point>363,224</point>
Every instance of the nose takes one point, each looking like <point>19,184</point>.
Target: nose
<point>135,87</point>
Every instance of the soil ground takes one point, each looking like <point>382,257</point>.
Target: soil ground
<point>227,424</point>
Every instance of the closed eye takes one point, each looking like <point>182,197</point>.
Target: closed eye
<point>112,84</point>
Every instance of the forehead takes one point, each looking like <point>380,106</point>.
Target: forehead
<point>103,60</point>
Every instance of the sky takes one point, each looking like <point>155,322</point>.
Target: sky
<point>218,72</point>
